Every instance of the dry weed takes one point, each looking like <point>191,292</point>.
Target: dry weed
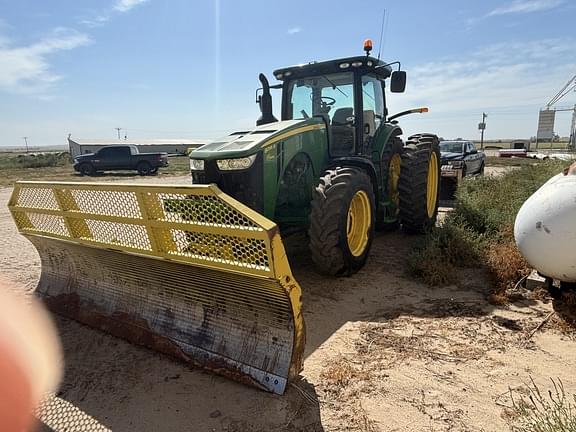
<point>506,264</point>
<point>344,379</point>
<point>565,327</point>
<point>498,299</point>
<point>339,374</point>
<point>449,339</point>
<point>540,293</point>
<point>362,421</point>
<point>552,411</point>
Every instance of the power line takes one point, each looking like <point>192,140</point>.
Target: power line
<point>568,87</point>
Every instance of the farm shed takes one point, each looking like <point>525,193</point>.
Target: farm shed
<point>171,146</point>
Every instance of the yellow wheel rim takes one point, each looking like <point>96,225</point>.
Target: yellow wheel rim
<point>432,185</point>
<point>358,223</point>
<point>393,177</point>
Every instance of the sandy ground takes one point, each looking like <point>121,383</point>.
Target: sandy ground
<point>384,353</point>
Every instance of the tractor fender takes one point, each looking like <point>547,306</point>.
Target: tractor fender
<point>358,162</point>
<point>383,137</point>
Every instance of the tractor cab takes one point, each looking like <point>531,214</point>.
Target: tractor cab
<point>347,94</point>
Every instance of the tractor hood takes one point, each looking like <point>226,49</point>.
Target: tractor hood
<point>249,142</point>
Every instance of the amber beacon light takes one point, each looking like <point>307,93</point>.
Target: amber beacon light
<point>368,46</point>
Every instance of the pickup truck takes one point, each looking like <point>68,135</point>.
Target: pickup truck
<point>461,158</point>
<point>120,157</point>
<point>458,159</point>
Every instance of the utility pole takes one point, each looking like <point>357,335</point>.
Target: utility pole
<point>118,130</point>
<point>26,142</point>
<point>482,127</point>
<point>572,143</point>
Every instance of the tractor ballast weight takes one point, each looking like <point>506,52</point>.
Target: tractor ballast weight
<point>187,271</point>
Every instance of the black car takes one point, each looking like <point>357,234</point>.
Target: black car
<point>120,157</point>
<point>461,158</point>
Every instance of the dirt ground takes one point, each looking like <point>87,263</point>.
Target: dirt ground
<point>384,353</point>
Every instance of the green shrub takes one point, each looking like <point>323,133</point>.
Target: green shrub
<point>490,204</point>
<point>40,160</point>
<point>435,258</point>
<point>480,230</point>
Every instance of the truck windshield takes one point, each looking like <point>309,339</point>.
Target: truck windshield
<point>331,96</point>
<point>451,147</point>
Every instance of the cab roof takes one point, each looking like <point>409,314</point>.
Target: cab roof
<point>363,63</point>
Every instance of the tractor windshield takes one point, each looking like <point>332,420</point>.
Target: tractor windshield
<point>330,96</point>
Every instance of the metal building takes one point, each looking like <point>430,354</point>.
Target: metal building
<point>171,146</point>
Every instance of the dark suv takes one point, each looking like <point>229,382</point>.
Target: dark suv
<point>120,157</point>
<point>461,158</point>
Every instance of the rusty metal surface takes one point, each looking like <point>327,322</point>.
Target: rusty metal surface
<point>237,326</point>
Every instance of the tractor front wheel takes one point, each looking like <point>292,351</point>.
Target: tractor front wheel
<point>419,183</point>
<point>342,221</point>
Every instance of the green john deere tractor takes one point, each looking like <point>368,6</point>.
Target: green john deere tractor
<point>335,165</point>
<point>199,272</point>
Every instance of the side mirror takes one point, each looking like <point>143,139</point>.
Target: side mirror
<point>398,82</point>
<point>473,151</point>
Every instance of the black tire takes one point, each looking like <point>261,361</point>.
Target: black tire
<point>154,171</point>
<point>415,215</point>
<point>86,169</point>
<point>329,220</point>
<point>481,170</point>
<point>144,168</point>
<point>393,148</point>
<point>448,187</point>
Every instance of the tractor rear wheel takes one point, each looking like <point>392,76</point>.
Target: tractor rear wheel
<point>342,221</point>
<point>419,183</point>
<point>390,163</point>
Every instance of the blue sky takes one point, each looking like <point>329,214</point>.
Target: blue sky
<point>181,68</point>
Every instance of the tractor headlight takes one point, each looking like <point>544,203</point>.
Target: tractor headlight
<point>236,164</point>
<point>197,164</point>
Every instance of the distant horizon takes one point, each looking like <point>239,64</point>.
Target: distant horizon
<point>65,146</point>
<point>178,69</point>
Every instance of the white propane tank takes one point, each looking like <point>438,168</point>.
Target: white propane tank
<point>545,228</point>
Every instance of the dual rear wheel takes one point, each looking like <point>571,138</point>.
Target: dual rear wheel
<point>343,217</point>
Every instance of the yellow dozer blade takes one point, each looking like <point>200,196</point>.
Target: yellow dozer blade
<point>186,270</point>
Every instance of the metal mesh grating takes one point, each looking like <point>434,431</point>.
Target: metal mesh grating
<point>41,198</point>
<point>111,203</point>
<point>208,210</point>
<point>50,224</point>
<point>128,235</point>
<point>59,415</point>
<point>209,247</point>
<point>197,224</point>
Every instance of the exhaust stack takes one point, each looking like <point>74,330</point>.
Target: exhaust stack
<point>265,102</point>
